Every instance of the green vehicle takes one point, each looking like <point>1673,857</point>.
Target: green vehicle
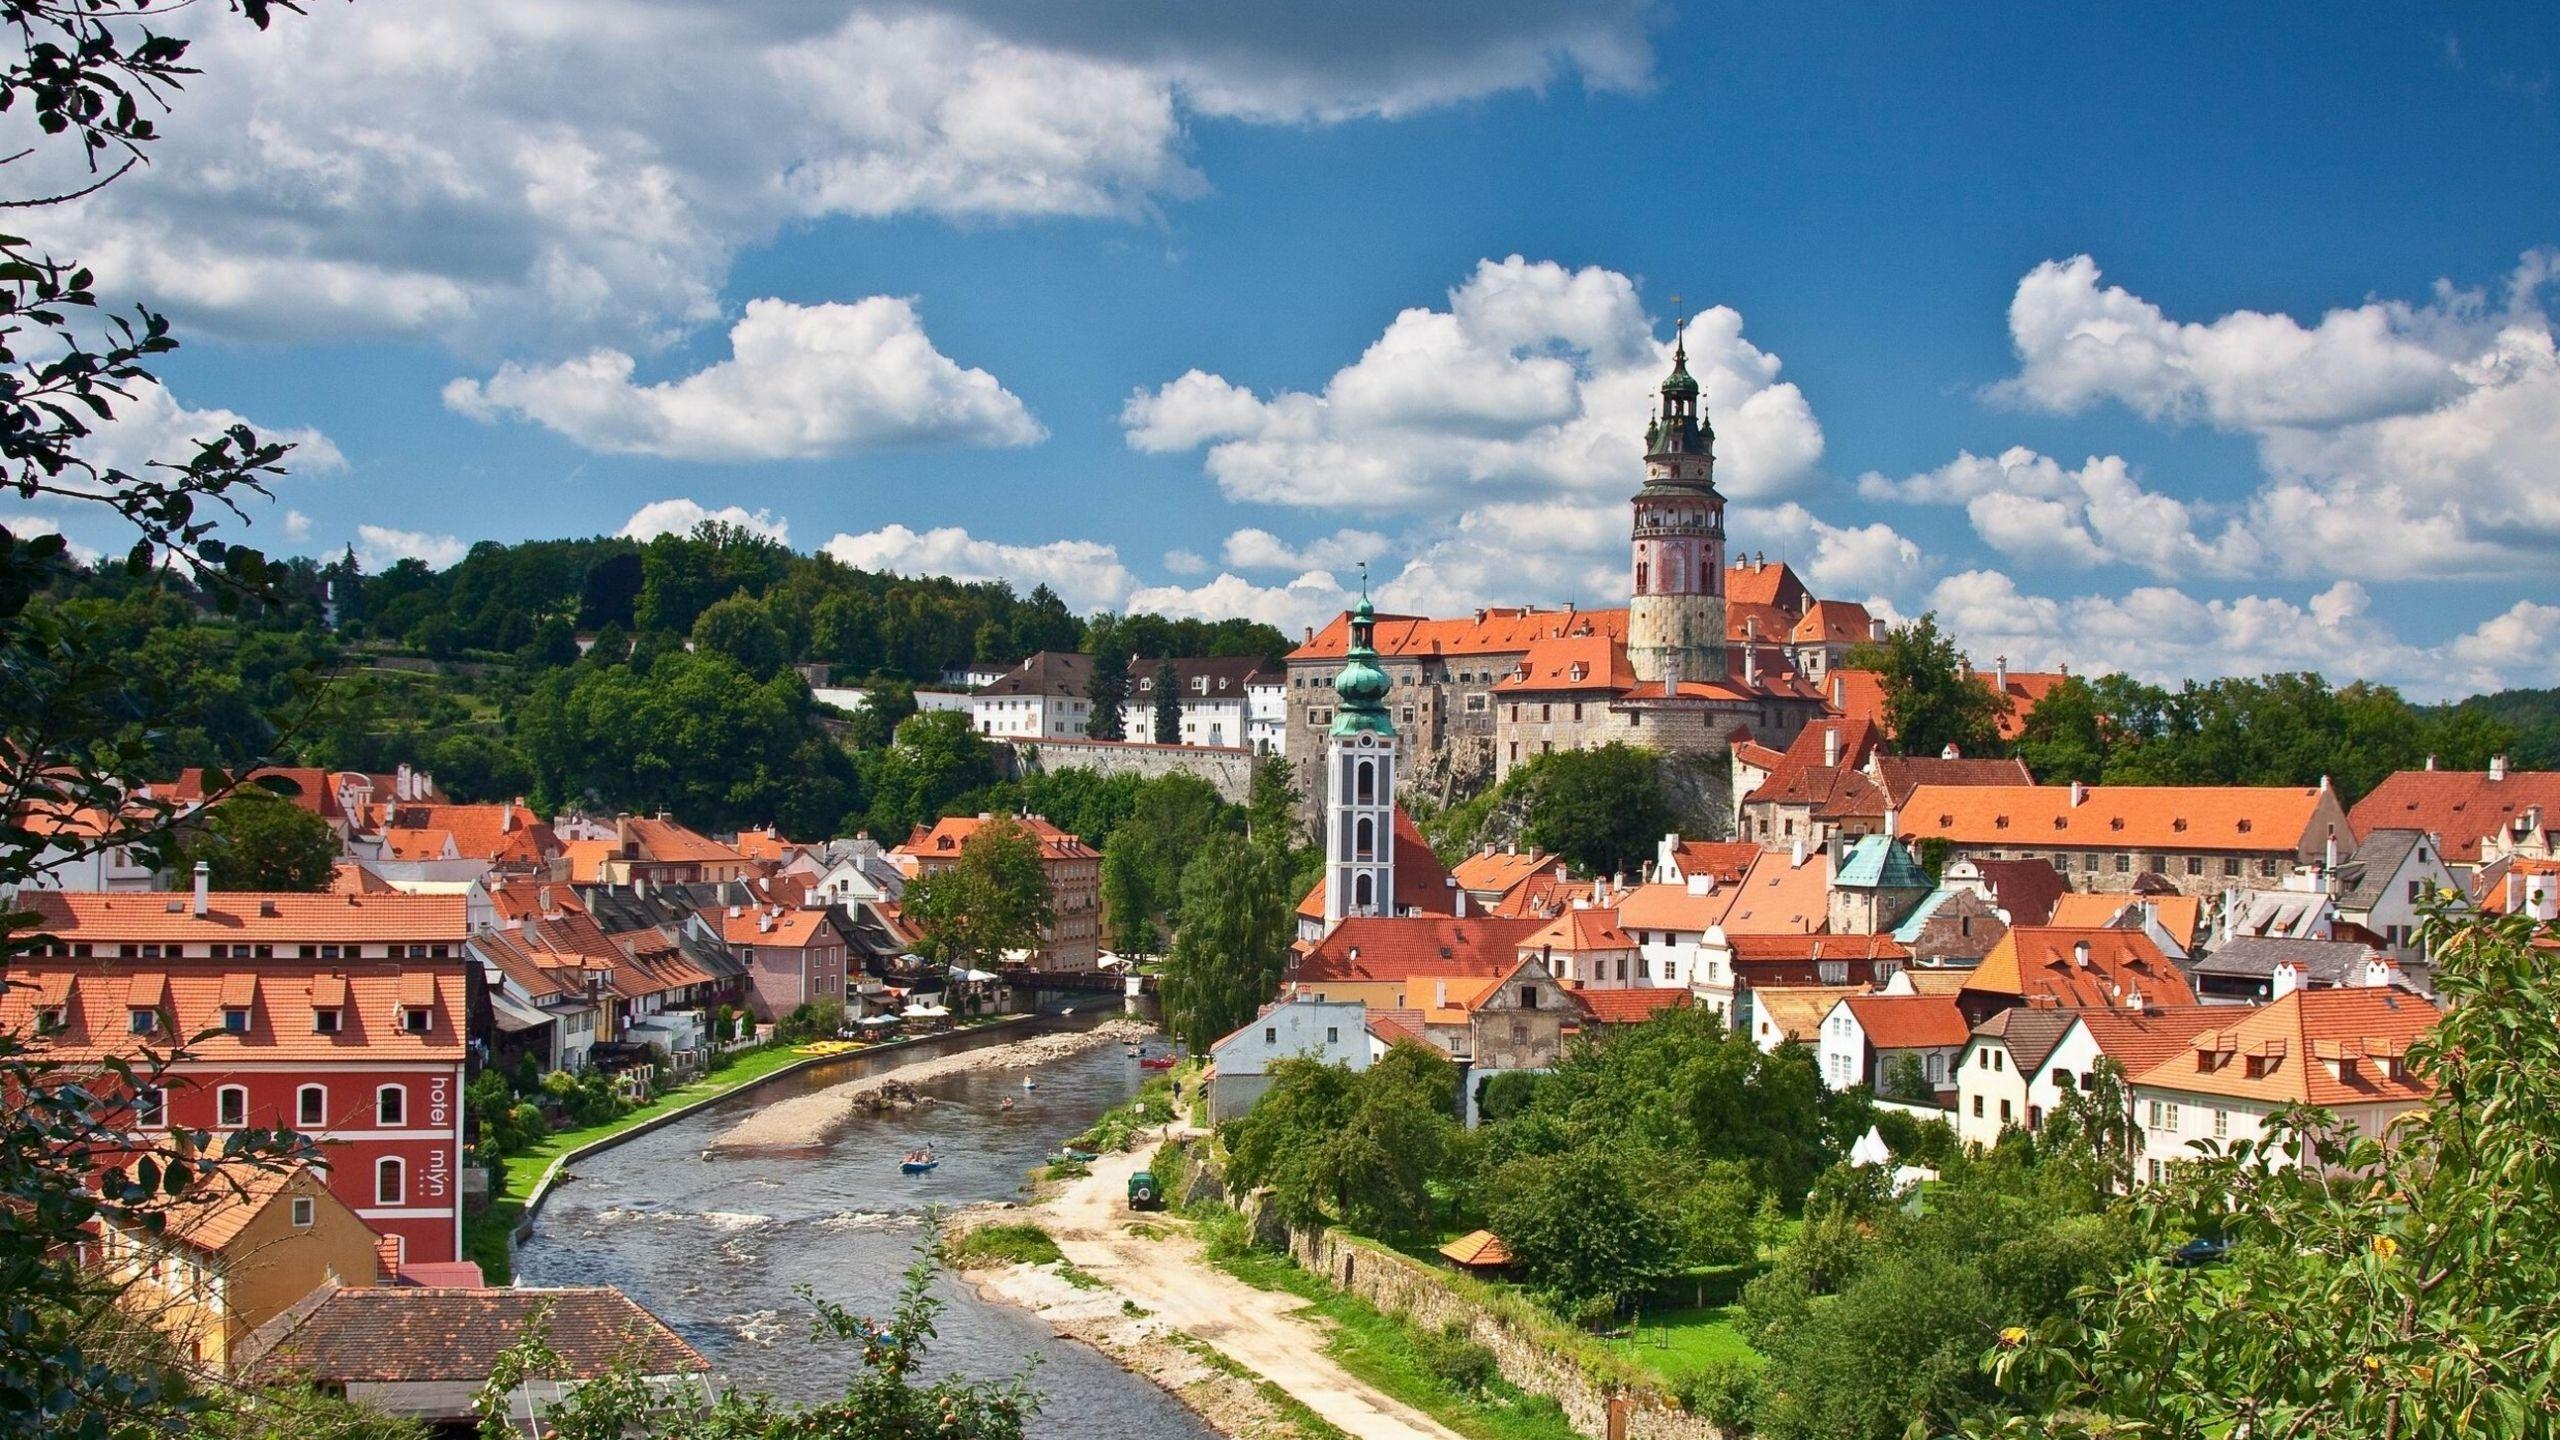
<point>1144,1192</point>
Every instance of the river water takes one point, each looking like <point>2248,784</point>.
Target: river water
<point>716,1246</point>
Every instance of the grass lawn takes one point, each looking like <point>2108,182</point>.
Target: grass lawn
<point>1676,1343</point>
<point>485,1236</point>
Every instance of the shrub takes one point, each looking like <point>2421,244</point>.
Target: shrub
<point>1456,1361</point>
<point>1719,1392</point>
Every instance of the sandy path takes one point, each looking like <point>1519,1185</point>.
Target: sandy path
<point>809,1119</point>
<point>1258,1329</point>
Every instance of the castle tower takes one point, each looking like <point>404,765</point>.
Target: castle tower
<point>1675,616</point>
<point>1360,783</point>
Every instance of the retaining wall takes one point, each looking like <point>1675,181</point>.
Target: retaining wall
<point>1401,1285</point>
<point>1229,771</point>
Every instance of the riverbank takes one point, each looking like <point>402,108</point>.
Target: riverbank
<point>1164,1311</point>
<point>805,1120</point>
<point>487,1237</point>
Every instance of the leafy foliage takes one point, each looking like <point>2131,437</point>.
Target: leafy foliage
<point>1932,697</point>
<point>993,898</point>
<point>1363,1147</point>
<point>1602,809</point>
<point>1237,923</point>
<point>257,840</point>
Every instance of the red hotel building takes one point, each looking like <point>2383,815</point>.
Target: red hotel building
<point>341,1017</point>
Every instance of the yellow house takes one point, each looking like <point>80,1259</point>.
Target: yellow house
<point>253,1244</point>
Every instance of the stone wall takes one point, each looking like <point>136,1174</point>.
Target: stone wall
<point>1230,771</point>
<point>1401,1285</point>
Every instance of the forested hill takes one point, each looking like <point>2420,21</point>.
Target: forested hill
<point>475,673</point>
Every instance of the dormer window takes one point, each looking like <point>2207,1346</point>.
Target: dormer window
<point>417,1019</point>
<point>326,1020</point>
<point>235,1020</point>
<point>51,1018</point>
<point>142,1021</point>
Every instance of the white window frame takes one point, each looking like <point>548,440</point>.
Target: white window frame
<point>395,1170</point>
<point>223,1114</point>
<point>382,1114</point>
<point>305,1113</point>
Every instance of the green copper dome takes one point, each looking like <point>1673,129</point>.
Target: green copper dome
<point>1680,381</point>
<point>1362,686</point>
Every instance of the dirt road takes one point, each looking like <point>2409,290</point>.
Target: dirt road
<point>1255,1328</point>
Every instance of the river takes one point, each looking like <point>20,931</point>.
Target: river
<point>716,1246</point>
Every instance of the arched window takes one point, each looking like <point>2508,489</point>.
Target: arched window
<point>1364,893</point>
<point>311,1106</point>
<point>1643,570</point>
<point>391,1106</point>
<point>1365,783</point>
<point>390,1183</point>
<point>1364,842</point>
<point>231,1107</point>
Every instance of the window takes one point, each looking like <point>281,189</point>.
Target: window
<point>1528,997</point>
<point>2155,1172</point>
<point>1982,1060</point>
<point>2000,1061</point>
<point>2005,1113</point>
<point>51,1018</point>
<point>2061,1078</point>
<point>1270,1034</point>
<point>417,1019</point>
<point>150,1107</point>
<point>143,1021</point>
<point>2195,864</point>
<point>235,1020</point>
<point>391,1106</point>
<point>311,1106</point>
<point>231,1107</point>
<point>2221,1124</point>
<point>1977,1107</point>
<point>2230,866</point>
<point>2417,891</point>
<point>2124,862</point>
<point>2267,866</point>
<point>390,1183</point>
<point>304,1212</point>
<point>1333,1034</point>
<point>324,1021</point>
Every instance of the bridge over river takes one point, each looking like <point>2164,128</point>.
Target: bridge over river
<point>716,1246</point>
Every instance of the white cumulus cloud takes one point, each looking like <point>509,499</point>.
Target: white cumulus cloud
<point>1255,549</point>
<point>1535,380</point>
<point>380,547</point>
<point>2037,511</point>
<point>151,427</point>
<point>1087,574</point>
<point>802,382</point>
<point>683,516</point>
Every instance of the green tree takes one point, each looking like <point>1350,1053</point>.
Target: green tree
<point>1126,904</point>
<point>1601,809</point>
<point>936,759</point>
<point>994,898</point>
<point>257,840</point>
<point>2065,738</point>
<point>1907,1080</point>
<point>1271,806</point>
<point>1932,697</point>
<point>743,630</point>
<point>1237,924</point>
<point>554,644</point>
<point>1581,1227</point>
<point>2404,1289</point>
<point>1168,713</point>
<point>1107,691</point>
<point>1401,1135</point>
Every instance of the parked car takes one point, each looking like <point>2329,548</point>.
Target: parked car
<point>2202,1250</point>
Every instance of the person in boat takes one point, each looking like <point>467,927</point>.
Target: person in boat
<point>1005,1104</point>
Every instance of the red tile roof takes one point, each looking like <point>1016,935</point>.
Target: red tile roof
<point>1910,1022</point>
<point>950,834</point>
<point>2027,889</point>
<point>2040,962</point>
<point>1630,1007</point>
<point>1497,871</point>
<point>1480,1248</point>
<point>1901,774</point>
<point>1421,884</point>
<point>189,996</point>
<point>2458,807</point>
<point>1834,622</point>
<point>1380,947</point>
<point>2139,1039</point>
<point>233,916</point>
<point>2268,818</point>
<point>667,843</point>
<point>1499,631</point>
<point>2317,1047</point>
<point>1578,929</point>
<point>2026,690</point>
<point>1571,664</point>
<point>797,929</point>
<point>1726,860</point>
<point>1780,897</point>
<point>480,832</point>
<point>397,1334</point>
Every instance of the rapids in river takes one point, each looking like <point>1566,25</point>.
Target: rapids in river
<point>716,1246</point>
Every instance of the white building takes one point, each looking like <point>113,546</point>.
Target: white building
<point>1216,700</point>
<point>1267,712</point>
<point>2022,1064</point>
<point>1043,698</point>
<point>1866,1036</point>
<point>1331,1032</point>
<point>2385,886</point>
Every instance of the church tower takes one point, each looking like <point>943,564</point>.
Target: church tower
<point>1360,783</point>
<point>1675,616</point>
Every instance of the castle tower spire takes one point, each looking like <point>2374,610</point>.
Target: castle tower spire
<point>1360,778</point>
<point>1675,613</point>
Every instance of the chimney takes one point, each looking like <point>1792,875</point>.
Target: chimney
<point>1440,994</point>
<point>2000,675</point>
<point>2079,794</point>
<point>1951,752</point>
<point>1892,822</point>
<point>1831,745</point>
<point>2431,762</point>
<point>1876,631</point>
<point>2497,768</point>
<point>1458,903</point>
<point>2286,979</point>
<point>1751,665</point>
<point>401,788</point>
<point>204,886</point>
<point>507,817</point>
<point>1797,859</point>
<point>2080,953</point>
<point>2379,970</point>
<point>2329,852</point>
<point>1839,693</point>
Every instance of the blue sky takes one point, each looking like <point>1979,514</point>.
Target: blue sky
<point>2183,341</point>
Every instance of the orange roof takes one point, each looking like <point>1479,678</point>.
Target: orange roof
<point>2458,807</point>
<point>1498,631</point>
<point>1572,664</point>
<point>952,833</point>
<point>2178,914</point>
<point>744,925</point>
<point>2316,1047</point>
<point>1834,622</point>
<point>1804,775</point>
<point>349,877</point>
<point>1399,1027</point>
<point>1674,907</point>
<point>1726,860</point>
<point>2025,691</point>
<point>1479,1248</point>
<point>1858,694</point>
<point>221,1205</point>
<point>1581,928</point>
<point>763,845</point>
<point>668,843</point>
<point>2152,817</point>
<point>479,832</point>
<point>419,844</point>
<point>1749,583</point>
<point>1902,774</point>
<point>1381,947</point>
<point>1491,871</point>
<point>2041,962</point>
<point>1542,895</point>
<point>587,857</point>
<point>304,785</point>
<point>1756,755</point>
<point>1631,1006</point>
<point>1455,998</point>
<point>1780,897</point>
<point>2139,1039</point>
<point>1817,947</point>
<point>1798,1010</point>
<point>1910,1022</point>
<point>232,916</point>
<point>368,993</point>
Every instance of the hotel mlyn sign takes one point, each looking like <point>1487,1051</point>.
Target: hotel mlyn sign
<point>340,1017</point>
